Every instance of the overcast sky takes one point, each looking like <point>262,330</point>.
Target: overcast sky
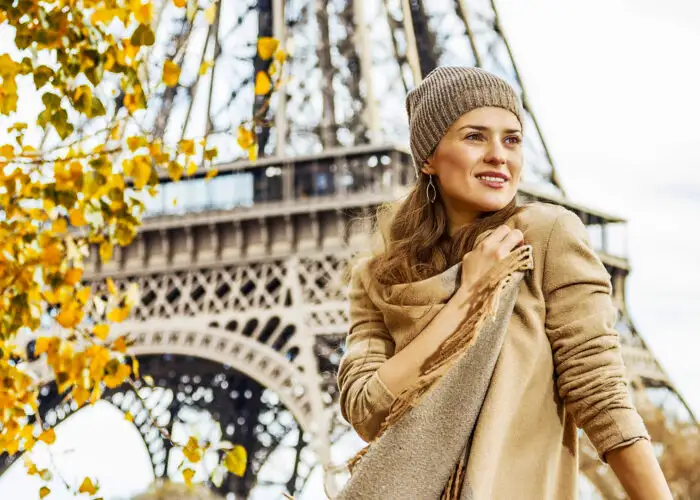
<point>615,85</point>
<point>616,88</point>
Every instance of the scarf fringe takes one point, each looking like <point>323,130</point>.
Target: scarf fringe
<point>483,301</point>
<point>453,490</point>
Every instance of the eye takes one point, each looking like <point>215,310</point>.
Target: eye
<point>514,139</point>
<point>475,136</point>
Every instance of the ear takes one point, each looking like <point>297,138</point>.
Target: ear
<point>428,166</point>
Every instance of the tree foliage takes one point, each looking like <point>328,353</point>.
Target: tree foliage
<point>73,181</point>
<point>679,457</point>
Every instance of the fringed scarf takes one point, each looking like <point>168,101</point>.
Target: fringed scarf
<point>422,448</point>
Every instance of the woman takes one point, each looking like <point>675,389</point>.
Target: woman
<point>558,366</point>
<point>168,490</point>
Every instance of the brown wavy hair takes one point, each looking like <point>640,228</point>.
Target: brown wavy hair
<point>412,238</point>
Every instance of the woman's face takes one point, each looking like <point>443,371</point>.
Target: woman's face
<point>478,163</point>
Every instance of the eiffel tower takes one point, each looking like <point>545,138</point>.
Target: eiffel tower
<point>243,310</point>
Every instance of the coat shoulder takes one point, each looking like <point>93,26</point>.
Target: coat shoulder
<point>536,220</point>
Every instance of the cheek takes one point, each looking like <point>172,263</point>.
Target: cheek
<point>516,166</point>
<point>458,161</point>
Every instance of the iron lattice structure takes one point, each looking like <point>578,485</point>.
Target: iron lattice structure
<point>243,309</point>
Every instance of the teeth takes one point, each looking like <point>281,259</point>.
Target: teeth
<point>493,179</point>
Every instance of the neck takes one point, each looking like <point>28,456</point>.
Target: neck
<point>459,217</point>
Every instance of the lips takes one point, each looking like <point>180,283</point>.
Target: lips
<point>493,180</point>
<point>498,175</point>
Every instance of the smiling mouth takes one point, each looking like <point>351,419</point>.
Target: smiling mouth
<point>491,178</point>
<point>492,182</point>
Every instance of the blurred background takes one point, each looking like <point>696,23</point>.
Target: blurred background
<point>243,308</point>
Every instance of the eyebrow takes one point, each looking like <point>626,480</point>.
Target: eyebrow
<point>482,128</point>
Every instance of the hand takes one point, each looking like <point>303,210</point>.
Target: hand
<point>494,248</point>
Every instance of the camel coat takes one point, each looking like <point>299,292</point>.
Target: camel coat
<point>559,368</point>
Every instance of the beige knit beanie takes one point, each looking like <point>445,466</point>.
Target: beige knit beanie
<point>446,94</point>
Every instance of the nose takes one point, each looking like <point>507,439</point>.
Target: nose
<point>495,154</point>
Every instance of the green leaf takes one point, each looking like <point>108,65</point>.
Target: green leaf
<point>210,154</point>
<point>143,35</point>
<point>51,101</point>
<point>73,68</point>
<point>60,122</point>
<point>43,117</point>
<point>23,41</point>
<point>98,108</point>
<point>42,75</point>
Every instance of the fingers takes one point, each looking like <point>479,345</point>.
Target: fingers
<point>514,239</point>
<point>501,241</point>
<point>496,236</point>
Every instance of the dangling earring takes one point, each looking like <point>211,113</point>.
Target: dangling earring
<point>428,193</point>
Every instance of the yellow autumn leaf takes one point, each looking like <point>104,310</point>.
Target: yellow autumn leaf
<point>191,168</point>
<point>77,218</point>
<point>59,226</point>
<point>29,444</point>
<point>211,174</point>
<point>105,16</point>
<point>118,314</point>
<point>281,56</point>
<point>26,433</point>
<point>83,295</point>
<point>44,491</point>
<point>142,171</point>
<point>143,13</point>
<point>128,417</point>
<point>48,436</point>
<point>105,251</point>
<point>180,3</point>
<point>135,367</point>
<point>133,101</point>
<point>191,450</point>
<point>262,83</point>
<point>120,344</point>
<point>95,394</point>
<point>80,395</point>
<point>246,138</point>
<point>135,143</point>
<point>171,73</point>
<point>8,151</point>
<point>32,469</point>
<point>235,460</point>
<point>73,276</point>
<point>88,487</point>
<point>175,170</point>
<point>114,380</point>
<point>70,316</point>
<point>111,287</point>
<point>41,345</point>
<point>267,47</point>
<point>115,132</point>
<point>204,67</point>
<point>210,13</point>
<point>186,146</point>
<point>101,331</point>
<point>51,255</point>
<point>253,152</point>
<point>210,154</point>
<point>188,474</point>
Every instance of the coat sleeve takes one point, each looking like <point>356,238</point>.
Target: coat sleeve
<point>580,319</point>
<point>364,399</point>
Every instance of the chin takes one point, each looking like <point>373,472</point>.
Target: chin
<point>492,203</point>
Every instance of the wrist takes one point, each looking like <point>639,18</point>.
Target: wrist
<point>460,296</point>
